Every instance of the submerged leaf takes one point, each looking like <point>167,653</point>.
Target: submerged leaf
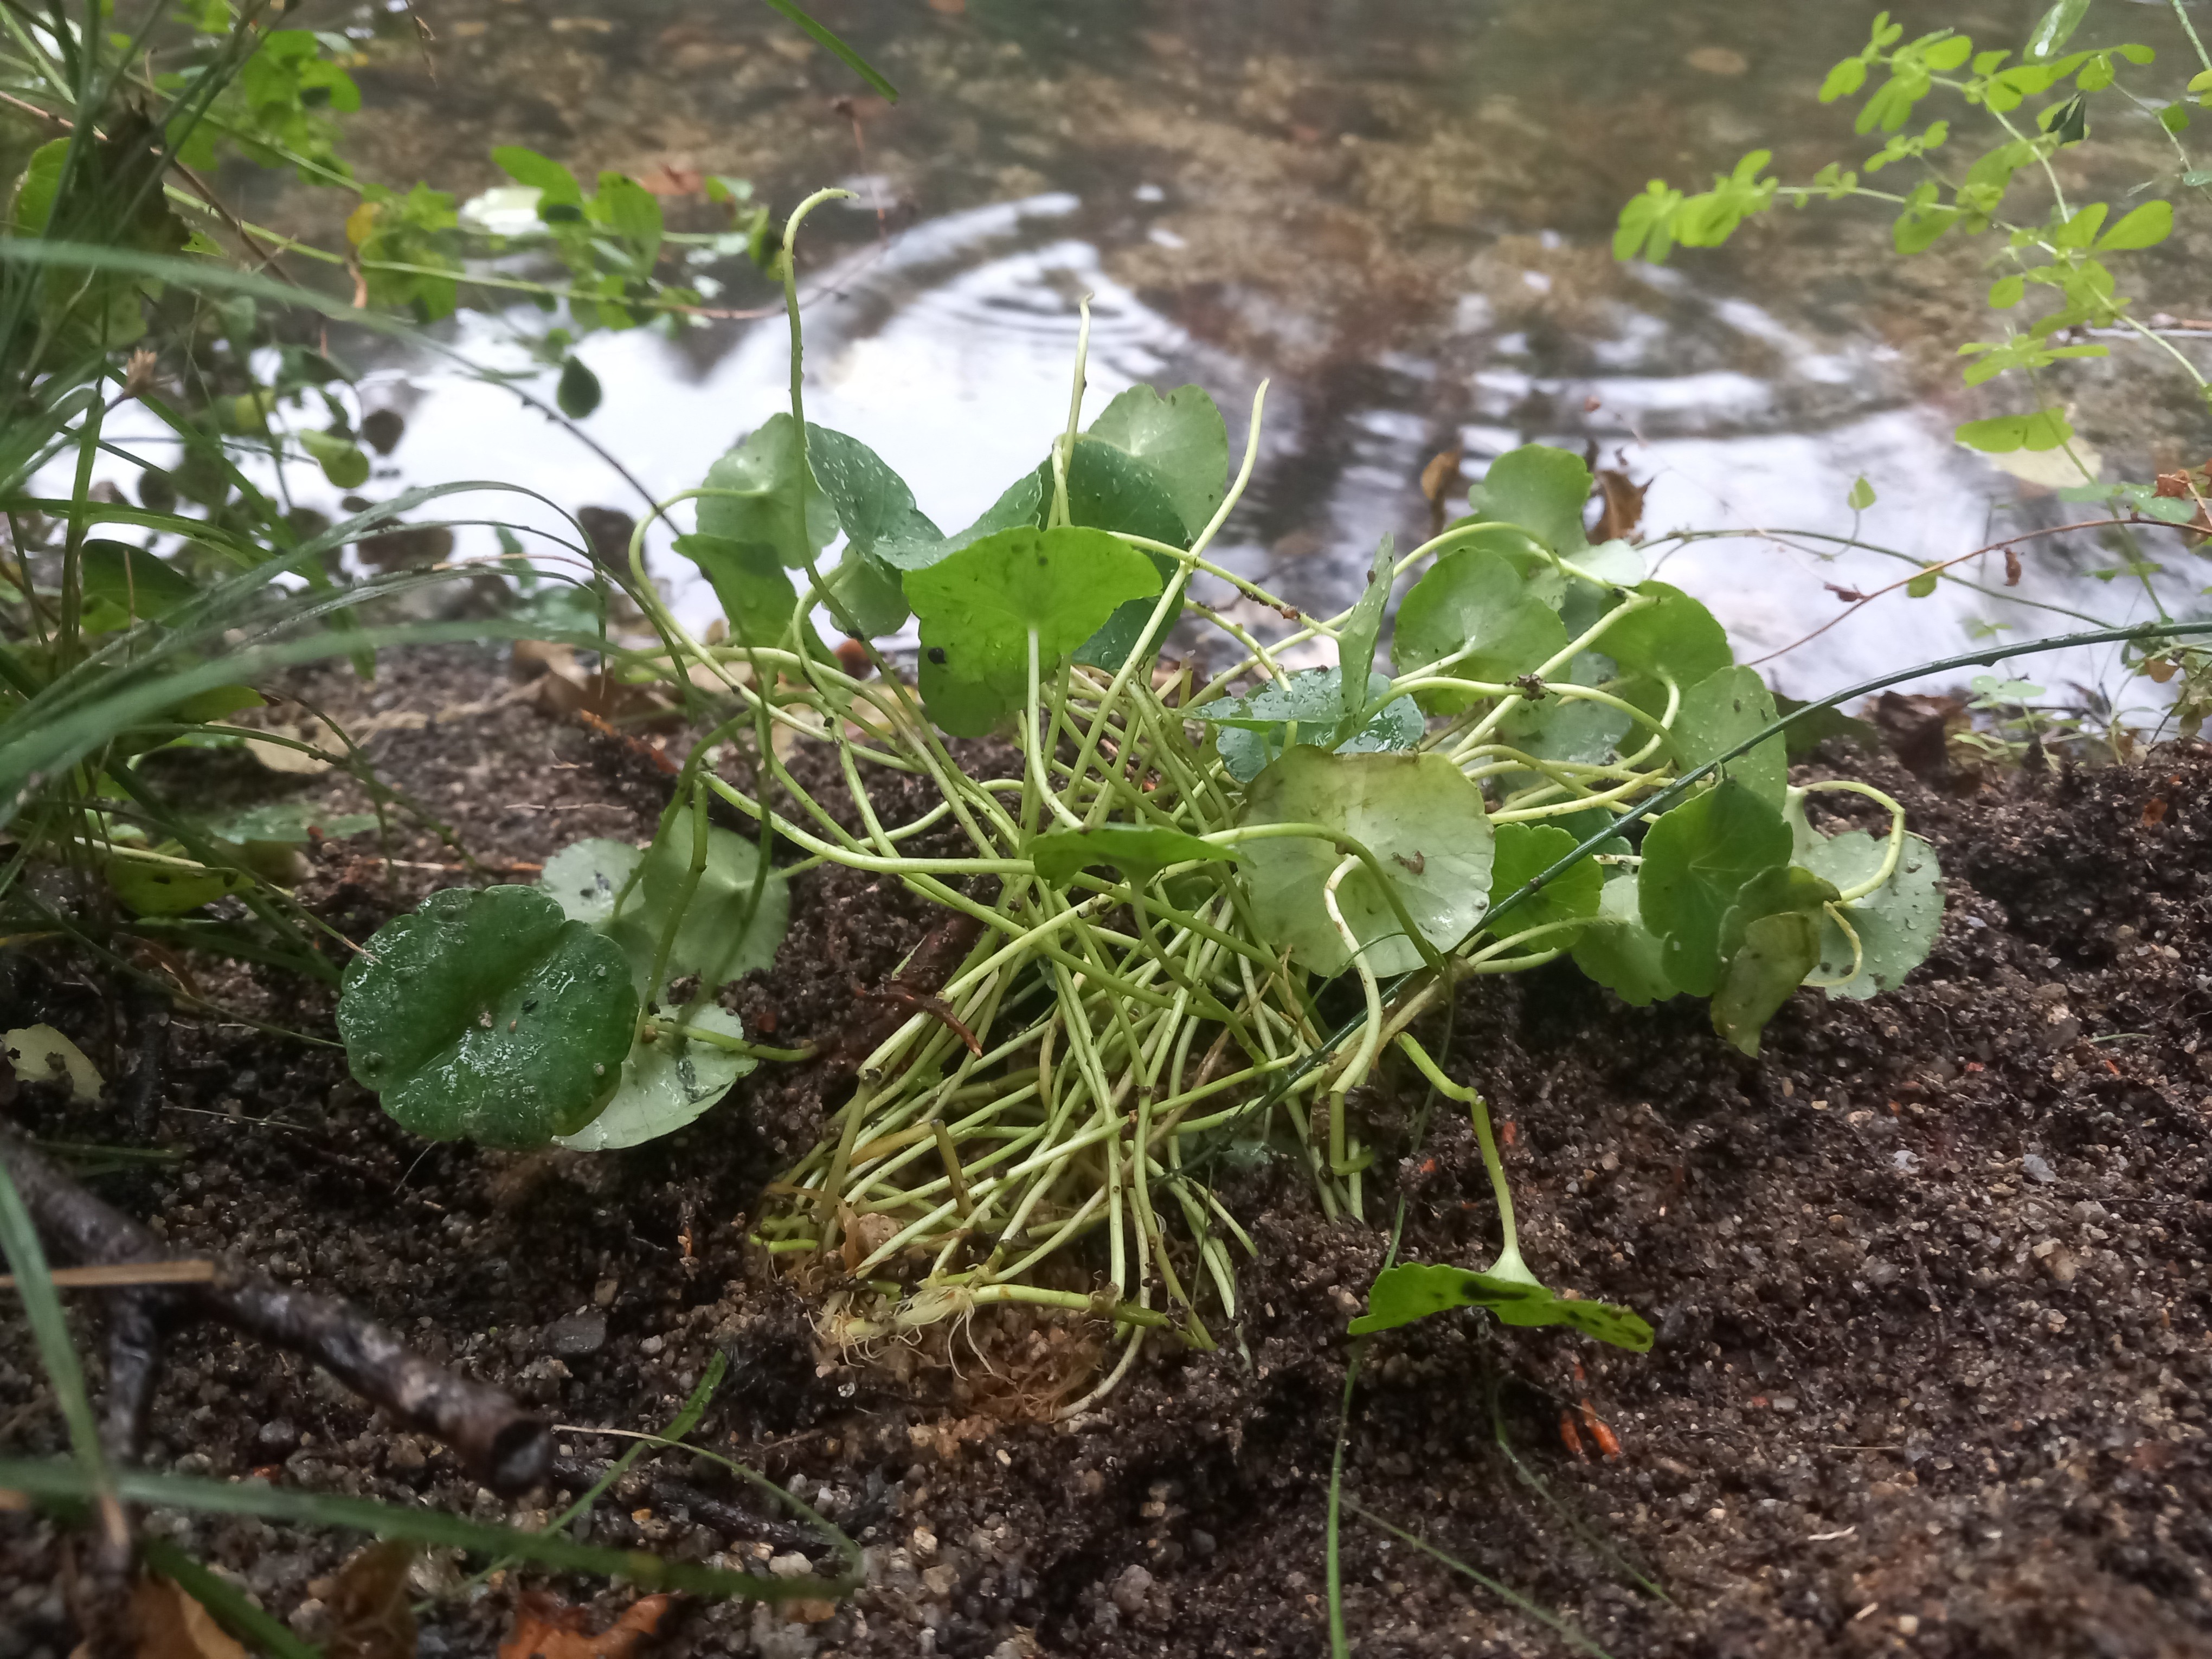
<point>1420,818</point>
<point>490,1015</point>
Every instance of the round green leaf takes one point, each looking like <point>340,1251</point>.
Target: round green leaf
<point>722,936</point>
<point>1619,952</point>
<point>1721,711</point>
<point>1896,923</point>
<point>1678,634</point>
<point>584,878</point>
<point>754,498</point>
<point>978,607</point>
<point>490,1015</point>
<point>1696,859</point>
<point>666,1083</point>
<point>1524,851</point>
<point>1418,814</point>
<point>1542,490</point>
<point>1180,438</point>
<point>756,595</point>
<point>1473,601</point>
<point>868,591</point>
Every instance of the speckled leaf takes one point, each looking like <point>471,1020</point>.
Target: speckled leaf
<point>1777,952</point>
<point>489,1015</point>
<point>584,878</point>
<point>1418,814</point>
<point>666,1083</point>
<point>1180,438</point>
<point>1896,923</point>
<point>1719,712</point>
<point>758,507</point>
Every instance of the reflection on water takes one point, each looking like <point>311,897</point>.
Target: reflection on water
<point>1400,212</point>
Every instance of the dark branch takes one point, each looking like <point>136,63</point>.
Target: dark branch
<point>504,1447</point>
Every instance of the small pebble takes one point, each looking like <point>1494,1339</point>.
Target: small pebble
<point>576,1335</point>
<point>1131,1589</point>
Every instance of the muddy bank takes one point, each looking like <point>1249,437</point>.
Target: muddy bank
<point>1935,1322</point>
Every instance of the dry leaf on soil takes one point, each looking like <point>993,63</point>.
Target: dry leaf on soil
<point>371,1617</point>
<point>172,1625</point>
<point>546,1628</point>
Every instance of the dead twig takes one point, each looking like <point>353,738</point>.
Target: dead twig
<point>502,1445</point>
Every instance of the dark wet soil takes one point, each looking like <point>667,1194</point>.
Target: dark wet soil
<point>1935,1324</point>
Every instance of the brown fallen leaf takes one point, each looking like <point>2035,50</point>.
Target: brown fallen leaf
<point>1624,505</point>
<point>546,1628</point>
<point>371,1615</point>
<point>1437,478</point>
<point>171,1625</point>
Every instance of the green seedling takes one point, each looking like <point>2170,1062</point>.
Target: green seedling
<point>1413,1290</point>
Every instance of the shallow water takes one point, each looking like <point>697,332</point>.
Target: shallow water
<point>1397,212</point>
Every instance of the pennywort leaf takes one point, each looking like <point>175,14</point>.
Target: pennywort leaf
<point>1421,817</point>
<point>488,1014</point>
<point>1695,860</point>
<point>978,606</point>
<point>1416,1290</point>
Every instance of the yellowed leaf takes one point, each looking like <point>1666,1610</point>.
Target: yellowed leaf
<point>39,1053</point>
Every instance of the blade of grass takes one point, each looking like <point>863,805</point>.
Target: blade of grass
<point>844,54</point>
<point>26,1259</point>
<point>680,1425</point>
<point>1339,1644</point>
<point>225,1602</point>
<point>57,1480</point>
<point>1550,1621</point>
